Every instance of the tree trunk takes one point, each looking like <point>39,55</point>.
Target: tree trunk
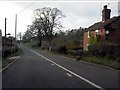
<point>50,48</point>
<point>39,44</point>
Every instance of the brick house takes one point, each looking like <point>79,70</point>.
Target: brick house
<point>106,29</point>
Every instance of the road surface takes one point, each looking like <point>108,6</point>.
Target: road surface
<point>40,69</point>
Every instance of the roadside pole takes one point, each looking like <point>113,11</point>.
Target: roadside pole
<point>15,29</point>
<point>4,47</point>
<point>5,32</point>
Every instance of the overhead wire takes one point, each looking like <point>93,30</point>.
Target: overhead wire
<point>27,7</point>
<point>11,16</point>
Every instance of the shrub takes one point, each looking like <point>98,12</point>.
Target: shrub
<point>93,50</point>
<point>72,52</point>
<point>77,48</point>
<point>60,49</point>
<point>85,53</point>
<point>7,51</point>
<point>105,50</point>
<point>78,53</point>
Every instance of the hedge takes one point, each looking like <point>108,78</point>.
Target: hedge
<point>105,50</point>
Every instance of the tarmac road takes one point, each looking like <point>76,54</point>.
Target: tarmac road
<point>44,70</point>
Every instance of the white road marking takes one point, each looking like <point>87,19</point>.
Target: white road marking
<point>68,74</point>
<point>71,72</point>
<point>15,57</point>
<point>52,64</point>
<point>8,65</point>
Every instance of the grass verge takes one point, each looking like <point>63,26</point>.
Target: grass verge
<point>102,61</point>
<point>8,60</point>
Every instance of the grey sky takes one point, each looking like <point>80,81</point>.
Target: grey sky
<point>78,13</point>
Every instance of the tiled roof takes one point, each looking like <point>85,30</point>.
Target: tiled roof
<point>101,24</point>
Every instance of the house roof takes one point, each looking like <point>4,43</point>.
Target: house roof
<point>101,24</point>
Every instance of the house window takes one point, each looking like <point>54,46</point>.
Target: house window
<point>96,33</point>
<point>87,46</point>
<point>88,34</point>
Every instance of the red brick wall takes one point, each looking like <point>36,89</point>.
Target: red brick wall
<point>86,40</point>
<point>101,32</point>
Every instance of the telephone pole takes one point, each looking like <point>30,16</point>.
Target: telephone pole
<point>119,8</point>
<point>15,25</point>
<point>5,33</point>
<point>5,27</point>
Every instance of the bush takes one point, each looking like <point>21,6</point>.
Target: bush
<point>72,52</point>
<point>85,53</point>
<point>60,49</point>
<point>77,48</point>
<point>7,51</point>
<point>93,49</point>
<point>105,50</point>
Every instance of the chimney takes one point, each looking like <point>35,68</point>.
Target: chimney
<point>105,13</point>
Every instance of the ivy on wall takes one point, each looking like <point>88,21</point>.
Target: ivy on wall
<point>94,40</point>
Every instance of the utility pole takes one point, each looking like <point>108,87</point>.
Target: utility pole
<point>4,47</point>
<point>119,8</point>
<point>5,33</point>
<point>5,27</point>
<point>15,27</point>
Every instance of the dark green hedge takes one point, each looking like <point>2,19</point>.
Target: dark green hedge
<point>105,50</point>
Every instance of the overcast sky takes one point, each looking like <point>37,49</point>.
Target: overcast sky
<point>78,13</point>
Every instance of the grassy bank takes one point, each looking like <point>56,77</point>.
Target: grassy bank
<point>10,58</point>
<point>102,61</point>
<point>28,44</point>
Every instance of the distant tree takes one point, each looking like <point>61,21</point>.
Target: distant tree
<point>71,39</point>
<point>37,30</point>
<point>76,35</point>
<point>19,35</point>
<point>49,20</point>
<point>28,34</point>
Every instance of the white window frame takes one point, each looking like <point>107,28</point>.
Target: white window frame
<point>96,32</point>
<point>87,47</point>
<point>88,34</point>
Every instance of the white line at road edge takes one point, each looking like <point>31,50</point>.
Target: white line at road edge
<point>8,65</point>
<point>88,81</point>
<point>69,75</point>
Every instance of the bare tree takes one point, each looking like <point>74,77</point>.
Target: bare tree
<point>49,19</point>
<point>20,36</point>
<point>37,30</point>
<point>28,34</point>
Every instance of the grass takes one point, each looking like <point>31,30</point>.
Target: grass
<point>28,45</point>
<point>97,60</point>
<point>6,61</point>
<point>102,61</point>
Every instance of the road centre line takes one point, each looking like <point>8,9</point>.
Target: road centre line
<point>71,72</point>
